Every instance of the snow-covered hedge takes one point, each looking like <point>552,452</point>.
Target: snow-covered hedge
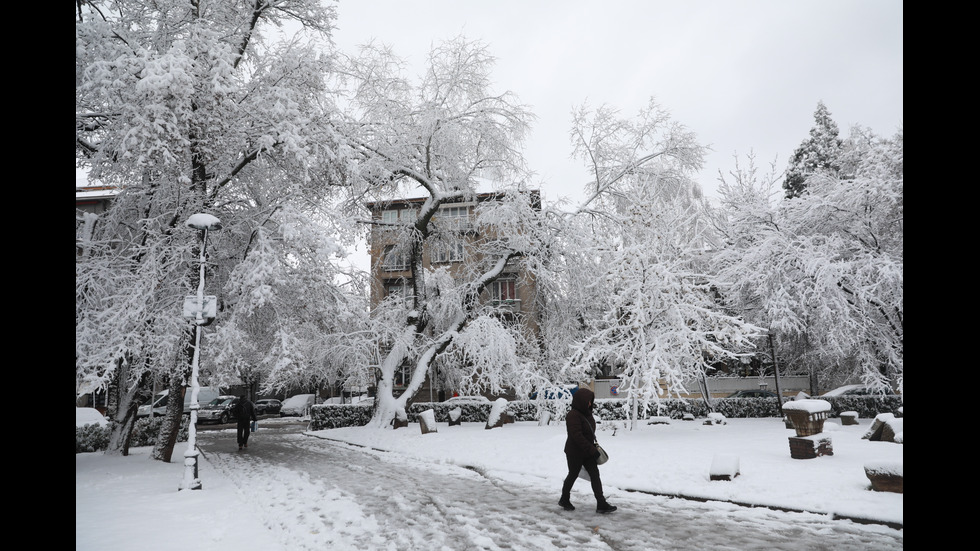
<point>334,416</point>
<point>867,407</point>
<point>92,437</point>
<point>329,416</point>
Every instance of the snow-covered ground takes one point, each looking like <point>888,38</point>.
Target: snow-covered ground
<point>466,487</point>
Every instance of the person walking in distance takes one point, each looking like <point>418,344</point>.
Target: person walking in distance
<point>245,412</point>
<point>580,450</point>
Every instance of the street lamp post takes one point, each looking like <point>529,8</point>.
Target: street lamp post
<point>191,480</point>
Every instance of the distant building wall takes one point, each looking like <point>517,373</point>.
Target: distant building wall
<point>719,387</point>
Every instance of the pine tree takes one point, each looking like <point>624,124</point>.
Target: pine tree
<point>821,152</point>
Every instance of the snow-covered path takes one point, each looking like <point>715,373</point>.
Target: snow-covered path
<point>316,494</point>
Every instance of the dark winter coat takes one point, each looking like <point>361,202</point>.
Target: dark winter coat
<point>245,411</point>
<point>580,425</point>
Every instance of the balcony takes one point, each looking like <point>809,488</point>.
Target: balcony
<point>509,305</point>
<point>453,225</point>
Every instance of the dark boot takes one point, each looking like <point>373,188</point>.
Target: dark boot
<point>605,507</point>
<point>566,504</point>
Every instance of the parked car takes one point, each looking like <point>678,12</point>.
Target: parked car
<point>297,406</point>
<point>858,390</point>
<point>557,393</point>
<point>158,405</point>
<point>753,393</point>
<point>220,410</point>
<point>267,405</point>
<point>468,400</point>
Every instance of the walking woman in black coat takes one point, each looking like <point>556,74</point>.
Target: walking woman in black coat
<point>580,450</point>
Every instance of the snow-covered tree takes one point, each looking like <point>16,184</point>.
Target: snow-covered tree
<point>824,271</point>
<point>821,152</point>
<point>434,139</point>
<point>648,303</point>
<point>287,302</point>
<point>184,108</point>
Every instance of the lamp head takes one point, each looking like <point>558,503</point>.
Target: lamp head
<point>202,221</point>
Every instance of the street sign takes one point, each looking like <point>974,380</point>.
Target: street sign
<point>208,312</point>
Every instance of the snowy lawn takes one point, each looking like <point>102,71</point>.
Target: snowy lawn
<point>128,502</point>
<point>670,459</point>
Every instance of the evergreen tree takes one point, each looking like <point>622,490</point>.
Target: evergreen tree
<point>824,271</point>
<point>821,152</point>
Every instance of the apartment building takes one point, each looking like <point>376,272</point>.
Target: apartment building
<point>457,244</point>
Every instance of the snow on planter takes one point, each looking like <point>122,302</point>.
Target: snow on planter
<point>715,418</point>
<point>724,466</point>
<point>497,413</point>
<point>887,428</point>
<point>427,421</point>
<point>455,416</point>
<point>807,416</point>
<point>886,476</point>
<point>401,418</point>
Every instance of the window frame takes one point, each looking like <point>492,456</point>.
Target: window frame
<point>496,290</point>
<point>444,253</point>
<point>394,262</point>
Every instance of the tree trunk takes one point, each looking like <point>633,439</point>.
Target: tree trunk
<point>775,370</point>
<point>121,408</point>
<point>170,427</point>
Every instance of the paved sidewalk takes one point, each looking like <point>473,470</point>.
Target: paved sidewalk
<point>344,497</point>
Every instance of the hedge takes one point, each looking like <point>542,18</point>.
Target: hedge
<point>92,437</point>
<point>330,416</point>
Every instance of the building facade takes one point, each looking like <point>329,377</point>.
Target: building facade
<point>459,245</point>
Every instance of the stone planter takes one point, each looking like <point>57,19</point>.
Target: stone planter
<point>807,416</point>
<point>886,477</point>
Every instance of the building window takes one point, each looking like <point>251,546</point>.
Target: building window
<point>453,218</point>
<point>399,216</point>
<point>447,252</point>
<point>395,259</point>
<point>504,289</point>
<point>403,375</point>
<point>400,288</point>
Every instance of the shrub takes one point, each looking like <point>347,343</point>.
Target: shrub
<point>92,437</point>
<point>334,416</point>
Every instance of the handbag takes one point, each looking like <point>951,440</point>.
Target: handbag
<point>255,426</point>
<point>603,456</point>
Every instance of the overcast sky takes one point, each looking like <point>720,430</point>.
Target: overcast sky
<point>742,74</point>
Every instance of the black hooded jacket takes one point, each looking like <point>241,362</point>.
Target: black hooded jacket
<point>580,425</point>
<point>245,411</point>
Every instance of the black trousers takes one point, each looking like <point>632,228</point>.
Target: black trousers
<point>243,430</point>
<point>574,466</point>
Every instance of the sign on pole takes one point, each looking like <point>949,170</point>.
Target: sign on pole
<point>208,311</point>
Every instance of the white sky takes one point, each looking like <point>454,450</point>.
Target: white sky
<point>469,488</point>
<point>743,75</point>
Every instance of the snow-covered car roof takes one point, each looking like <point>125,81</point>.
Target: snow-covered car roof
<point>468,399</point>
<point>840,390</point>
<point>88,416</point>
